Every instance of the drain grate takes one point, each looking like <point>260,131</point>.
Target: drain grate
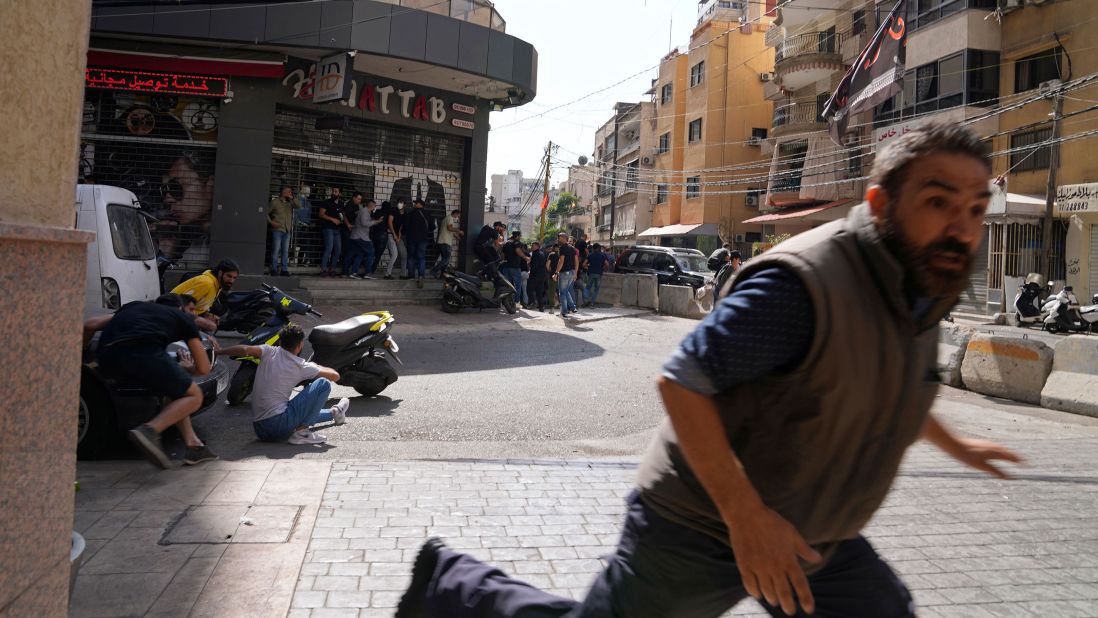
<point>232,523</point>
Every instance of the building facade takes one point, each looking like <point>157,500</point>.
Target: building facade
<point>205,112</point>
<point>623,152</point>
<point>581,184</point>
<point>711,119</point>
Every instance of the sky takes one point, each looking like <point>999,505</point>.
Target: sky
<point>583,46</point>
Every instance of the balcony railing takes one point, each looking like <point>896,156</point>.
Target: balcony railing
<point>809,43</point>
<point>797,113</point>
<point>786,184</point>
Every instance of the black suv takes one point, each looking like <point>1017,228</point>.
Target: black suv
<point>671,265</point>
<point>108,407</point>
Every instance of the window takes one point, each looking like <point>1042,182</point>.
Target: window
<point>661,194</point>
<point>631,176</point>
<point>695,130</point>
<point>857,22</point>
<point>758,133</point>
<point>665,143</point>
<point>130,235</point>
<point>1029,159</point>
<point>1031,71</point>
<point>693,186</point>
<point>663,263</point>
<point>665,94</point>
<point>643,260</point>
<point>983,78</point>
<point>697,74</point>
<point>942,85</point>
<point>926,12</point>
<point>821,103</point>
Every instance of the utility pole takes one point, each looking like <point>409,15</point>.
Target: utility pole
<point>544,211</point>
<point>1050,188</point>
<point>614,177</point>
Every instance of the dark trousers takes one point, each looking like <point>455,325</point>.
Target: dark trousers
<point>538,288</point>
<point>663,569</point>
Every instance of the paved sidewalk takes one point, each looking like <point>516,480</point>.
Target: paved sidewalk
<point>338,539</point>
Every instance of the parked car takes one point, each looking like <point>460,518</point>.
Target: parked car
<point>122,268</point>
<point>671,265</point>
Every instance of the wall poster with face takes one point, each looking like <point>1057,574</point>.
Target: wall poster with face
<point>161,147</point>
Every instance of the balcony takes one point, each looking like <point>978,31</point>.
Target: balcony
<point>807,58</point>
<point>797,14</point>
<point>798,118</point>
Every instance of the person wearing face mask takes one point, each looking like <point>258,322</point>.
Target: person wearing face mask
<point>789,410</point>
<point>449,233</point>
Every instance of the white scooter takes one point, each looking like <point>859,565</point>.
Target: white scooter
<point>1062,313</point>
<point>1089,313</point>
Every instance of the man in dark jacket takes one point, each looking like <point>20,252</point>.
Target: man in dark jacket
<point>332,223</point>
<point>418,230</point>
<point>483,244</point>
<point>787,423</point>
<point>537,285</point>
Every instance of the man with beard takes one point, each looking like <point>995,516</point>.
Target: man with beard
<point>789,410</point>
<point>205,287</point>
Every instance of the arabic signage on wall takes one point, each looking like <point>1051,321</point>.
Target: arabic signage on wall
<point>887,134</point>
<point>1077,199</point>
<point>386,99</point>
<point>159,83</point>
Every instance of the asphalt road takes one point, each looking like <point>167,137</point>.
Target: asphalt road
<point>490,385</point>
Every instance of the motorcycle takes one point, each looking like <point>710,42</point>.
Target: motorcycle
<point>355,347</point>
<point>1027,304</point>
<point>1062,313</point>
<point>243,312</point>
<point>1089,313</point>
<point>461,290</point>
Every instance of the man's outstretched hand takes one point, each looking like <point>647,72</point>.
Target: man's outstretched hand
<point>767,548</point>
<point>980,454</point>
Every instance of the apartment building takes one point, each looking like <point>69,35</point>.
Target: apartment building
<point>580,183</point>
<point>623,153</point>
<point>711,119</point>
<point>1045,43</point>
<point>517,199</point>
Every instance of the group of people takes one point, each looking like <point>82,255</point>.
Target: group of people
<point>358,232</point>
<point>567,273</point>
<point>133,349</point>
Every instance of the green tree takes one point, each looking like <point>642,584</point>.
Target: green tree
<point>565,202</point>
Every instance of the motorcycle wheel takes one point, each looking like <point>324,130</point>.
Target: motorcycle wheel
<point>372,375</point>
<point>241,384</point>
<point>509,304</point>
<point>449,305</point>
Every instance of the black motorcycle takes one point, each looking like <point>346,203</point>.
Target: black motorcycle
<point>461,290</point>
<point>355,347</point>
<point>243,312</point>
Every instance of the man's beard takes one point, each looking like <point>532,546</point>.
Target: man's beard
<point>920,274</point>
<point>225,285</point>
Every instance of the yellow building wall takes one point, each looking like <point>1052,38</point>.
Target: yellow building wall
<point>669,119</point>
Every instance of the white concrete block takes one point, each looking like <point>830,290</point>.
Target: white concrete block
<point>1073,384</point>
<point>1008,367</point>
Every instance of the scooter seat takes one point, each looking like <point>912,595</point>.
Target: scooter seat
<point>467,277</point>
<point>342,333</point>
<point>237,297</point>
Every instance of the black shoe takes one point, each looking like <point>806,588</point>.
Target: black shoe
<point>147,440</point>
<point>284,273</point>
<point>412,603</point>
<point>389,277</point>
<point>195,455</point>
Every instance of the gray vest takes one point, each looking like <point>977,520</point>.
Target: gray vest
<point>822,443</point>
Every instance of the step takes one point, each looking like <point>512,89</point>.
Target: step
<point>320,283</point>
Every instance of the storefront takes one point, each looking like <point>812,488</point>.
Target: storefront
<point>1079,204</point>
<point>230,103</point>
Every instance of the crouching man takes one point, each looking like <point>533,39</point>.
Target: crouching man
<point>276,417</point>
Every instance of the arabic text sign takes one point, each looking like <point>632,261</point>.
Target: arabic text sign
<point>887,134</point>
<point>163,83</point>
<point>1074,199</point>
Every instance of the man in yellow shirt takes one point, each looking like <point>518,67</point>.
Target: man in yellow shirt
<point>205,288</point>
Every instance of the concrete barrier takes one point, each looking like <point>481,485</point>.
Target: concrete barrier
<point>1073,384</point>
<point>610,291</point>
<point>648,294</point>
<point>1007,367</point>
<point>629,290</point>
<point>952,342</point>
<point>678,300</point>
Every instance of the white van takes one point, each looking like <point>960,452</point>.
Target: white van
<point>122,258</point>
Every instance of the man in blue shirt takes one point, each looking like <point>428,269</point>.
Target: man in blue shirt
<point>596,265</point>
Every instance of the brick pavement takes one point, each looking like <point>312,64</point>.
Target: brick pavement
<point>966,544</point>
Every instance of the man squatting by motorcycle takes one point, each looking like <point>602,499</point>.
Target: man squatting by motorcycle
<point>204,289</point>
<point>133,346</point>
<point>276,417</point>
<point>786,422</point>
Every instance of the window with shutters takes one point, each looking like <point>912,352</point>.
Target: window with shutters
<point>695,132</point>
<point>1031,155</point>
<point>697,74</point>
<point>693,186</point>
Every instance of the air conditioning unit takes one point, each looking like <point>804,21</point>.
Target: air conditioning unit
<point>740,238</point>
<point>754,140</point>
<point>648,161</point>
<point>751,200</point>
<point>1050,86</point>
<point>766,77</point>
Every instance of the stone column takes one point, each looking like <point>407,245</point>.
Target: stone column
<point>43,260</point>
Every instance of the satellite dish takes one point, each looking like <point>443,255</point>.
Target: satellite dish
<point>582,160</point>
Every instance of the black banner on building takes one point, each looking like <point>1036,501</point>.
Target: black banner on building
<point>875,77</point>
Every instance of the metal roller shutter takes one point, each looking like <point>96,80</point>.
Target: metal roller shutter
<point>163,148</point>
<point>1093,279</point>
<point>974,298</point>
<point>383,162</point>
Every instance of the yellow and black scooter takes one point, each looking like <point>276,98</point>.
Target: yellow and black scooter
<point>355,347</point>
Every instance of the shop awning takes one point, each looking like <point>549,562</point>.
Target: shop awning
<point>799,212</point>
<point>682,229</point>
<point>1014,208</point>
<point>149,61</point>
